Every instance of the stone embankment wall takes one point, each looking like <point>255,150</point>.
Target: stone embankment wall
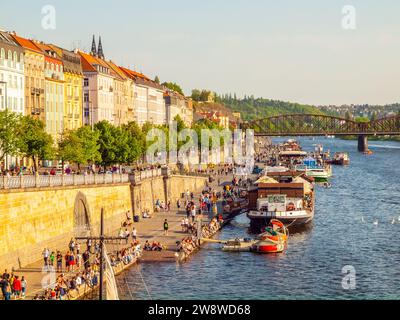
<point>32,219</point>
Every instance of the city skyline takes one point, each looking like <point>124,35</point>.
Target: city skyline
<point>287,51</point>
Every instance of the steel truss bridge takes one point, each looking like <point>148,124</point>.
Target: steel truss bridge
<point>321,125</point>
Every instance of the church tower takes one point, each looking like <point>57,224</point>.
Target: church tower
<point>100,52</point>
<point>94,50</point>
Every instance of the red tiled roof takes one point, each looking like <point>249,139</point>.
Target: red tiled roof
<point>27,44</point>
<point>133,74</point>
<point>87,61</point>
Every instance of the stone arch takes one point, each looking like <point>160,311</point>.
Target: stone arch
<point>82,221</point>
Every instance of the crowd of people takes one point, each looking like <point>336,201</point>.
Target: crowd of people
<point>13,286</point>
<point>154,246</point>
<point>82,268</point>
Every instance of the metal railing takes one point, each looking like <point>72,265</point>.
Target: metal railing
<point>48,181</point>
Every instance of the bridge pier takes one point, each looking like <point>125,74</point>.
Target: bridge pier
<point>362,143</point>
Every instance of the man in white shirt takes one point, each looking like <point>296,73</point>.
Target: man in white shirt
<point>134,233</point>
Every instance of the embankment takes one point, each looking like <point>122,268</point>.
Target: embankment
<point>32,219</point>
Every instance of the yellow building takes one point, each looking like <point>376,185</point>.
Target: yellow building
<point>73,92</point>
<point>34,78</point>
<point>54,91</point>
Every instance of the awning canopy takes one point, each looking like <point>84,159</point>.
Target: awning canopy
<point>307,185</point>
<point>266,179</point>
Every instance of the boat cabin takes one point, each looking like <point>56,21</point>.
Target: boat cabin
<point>281,192</point>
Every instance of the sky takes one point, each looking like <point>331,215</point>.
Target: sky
<point>292,50</point>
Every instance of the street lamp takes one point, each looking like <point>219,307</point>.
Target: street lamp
<point>4,83</point>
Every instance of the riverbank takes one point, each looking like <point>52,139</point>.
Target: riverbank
<point>150,230</point>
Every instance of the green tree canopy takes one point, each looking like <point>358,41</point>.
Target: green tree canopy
<point>34,142</point>
<point>90,147</point>
<point>9,123</point>
<point>173,86</point>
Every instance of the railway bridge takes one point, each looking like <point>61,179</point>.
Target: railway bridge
<point>322,125</point>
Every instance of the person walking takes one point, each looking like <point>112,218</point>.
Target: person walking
<point>86,261</point>
<point>24,286</point>
<point>59,261</point>
<point>17,288</point>
<point>134,234</point>
<point>46,254</point>
<point>166,227</point>
<point>72,245</point>
<point>52,257</point>
<point>7,290</point>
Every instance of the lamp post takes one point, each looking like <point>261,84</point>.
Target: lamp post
<point>4,83</point>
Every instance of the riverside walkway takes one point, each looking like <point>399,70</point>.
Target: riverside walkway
<point>147,230</point>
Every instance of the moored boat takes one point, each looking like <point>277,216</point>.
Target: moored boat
<point>321,173</point>
<point>340,159</point>
<point>287,196</point>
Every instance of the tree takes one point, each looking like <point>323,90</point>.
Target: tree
<point>137,137</point>
<point>174,87</point>
<point>90,147</point>
<point>180,123</point>
<point>107,143</point>
<point>34,142</point>
<point>70,148</point>
<point>157,80</point>
<point>196,95</point>
<point>9,123</point>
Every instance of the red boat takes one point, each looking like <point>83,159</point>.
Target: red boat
<point>273,240</point>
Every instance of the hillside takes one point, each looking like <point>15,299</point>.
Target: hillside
<point>256,108</point>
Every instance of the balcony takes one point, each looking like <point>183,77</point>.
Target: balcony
<point>36,91</point>
<point>35,111</point>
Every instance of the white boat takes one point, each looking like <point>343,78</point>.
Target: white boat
<point>286,197</point>
<point>311,169</point>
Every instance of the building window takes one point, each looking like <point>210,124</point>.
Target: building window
<point>86,82</point>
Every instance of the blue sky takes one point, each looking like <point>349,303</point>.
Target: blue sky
<point>288,49</point>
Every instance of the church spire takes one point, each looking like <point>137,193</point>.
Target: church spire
<point>94,50</point>
<point>100,52</point>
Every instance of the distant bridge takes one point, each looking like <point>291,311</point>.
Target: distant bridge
<point>321,125</point>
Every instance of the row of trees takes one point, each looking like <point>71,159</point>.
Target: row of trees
<point>105,144</point>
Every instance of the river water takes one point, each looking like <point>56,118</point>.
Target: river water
<point>357,224</point>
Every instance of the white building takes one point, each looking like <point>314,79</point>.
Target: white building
<point>98,90</point>
<point>148,99</point>
<point>12,81</point>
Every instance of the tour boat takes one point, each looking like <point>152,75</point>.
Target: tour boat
<point>312,169</point>
<point>287,196</point>
<point>341,159</point>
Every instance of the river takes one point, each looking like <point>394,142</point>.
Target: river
<point>357,224</point>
